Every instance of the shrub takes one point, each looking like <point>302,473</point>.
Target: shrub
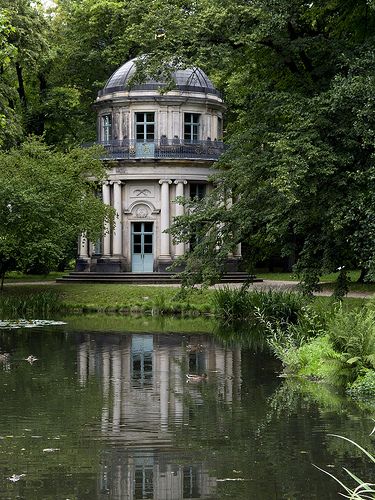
<point>352,334</point>
<point>363,387</point>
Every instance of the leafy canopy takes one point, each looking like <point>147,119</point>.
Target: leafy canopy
<point>46,202</point>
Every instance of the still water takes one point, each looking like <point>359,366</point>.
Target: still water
<point>108,412</point>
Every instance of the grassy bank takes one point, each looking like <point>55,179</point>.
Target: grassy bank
<point>114,298</point>
<point>333,344</point>
<point>123,299</point>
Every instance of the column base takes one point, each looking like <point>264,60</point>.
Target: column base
<point>82,265</point>
<point>108,265</point>
<point>232,264</point>
<point>162,264</point>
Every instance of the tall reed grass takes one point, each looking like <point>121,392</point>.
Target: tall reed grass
<point>361,489</point>
<point>240,304</point>
<point>40,303</point>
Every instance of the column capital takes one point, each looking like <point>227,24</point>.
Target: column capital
<point>106,183</point>
<point>177,181</point>
<point>119,183</point>
<point>163,181</point>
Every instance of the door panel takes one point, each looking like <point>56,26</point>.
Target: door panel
<point>142,247</point>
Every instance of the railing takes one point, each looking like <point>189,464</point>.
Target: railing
<point>162,149</point>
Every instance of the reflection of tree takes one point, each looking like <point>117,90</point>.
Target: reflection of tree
<point>47,418</point>
<point>253,339</point>
<point>339,414</point>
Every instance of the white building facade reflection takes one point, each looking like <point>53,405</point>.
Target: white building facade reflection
<point>145,393</point>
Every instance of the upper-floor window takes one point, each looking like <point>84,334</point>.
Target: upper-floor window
<point>220,128</point>
<point>191,127</point>
<point>145,127</point>
<point>197,191</point>
<point>107,127</point>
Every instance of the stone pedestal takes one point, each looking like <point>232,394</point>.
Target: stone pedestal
<point>232,264</point>
<point>82,265</point>
<point>108,265</point>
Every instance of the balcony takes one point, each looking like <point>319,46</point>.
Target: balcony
<point>168,149</point>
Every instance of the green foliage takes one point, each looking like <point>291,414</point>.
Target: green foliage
<point>337,346</point>
<point>352,334</point>
<point>363,387</point>
<point>362,489</point>
<point>23,306</point>
<point>46,201</point>
<point>239,304</point>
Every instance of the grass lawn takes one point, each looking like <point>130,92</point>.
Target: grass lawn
<point>327,280</point>
<point>18,277</point>
<point>119,297</point>
<point>124,298</point>
<point>354,275</point>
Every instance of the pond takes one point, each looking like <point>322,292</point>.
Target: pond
<point>136,408</point>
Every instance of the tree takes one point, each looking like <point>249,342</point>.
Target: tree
<point>47,199</point>
<point>298,79</point>
<point>9,123</point>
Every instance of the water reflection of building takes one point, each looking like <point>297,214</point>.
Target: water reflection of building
<point>144,385</point>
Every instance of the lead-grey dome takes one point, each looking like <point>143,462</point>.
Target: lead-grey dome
<point>190,79</point>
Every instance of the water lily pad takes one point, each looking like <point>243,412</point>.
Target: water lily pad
<point>25,323</point>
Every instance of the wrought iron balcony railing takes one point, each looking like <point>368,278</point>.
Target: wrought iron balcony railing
<point>175,149</point>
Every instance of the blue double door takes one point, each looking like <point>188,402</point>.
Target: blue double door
<point>142,247</point>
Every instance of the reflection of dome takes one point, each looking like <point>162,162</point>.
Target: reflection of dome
<point>189,80</point>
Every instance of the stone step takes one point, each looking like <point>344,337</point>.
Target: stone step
<point>143,278</point>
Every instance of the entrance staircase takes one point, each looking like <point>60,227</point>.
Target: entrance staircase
<point>144,278</point>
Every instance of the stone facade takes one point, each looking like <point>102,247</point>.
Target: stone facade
<point>160,146</point>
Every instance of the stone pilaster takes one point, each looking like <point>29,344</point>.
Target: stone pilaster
<point>164,220</point>
<point>107,234</point>
<point>117,231</point>
<point>180,247</point>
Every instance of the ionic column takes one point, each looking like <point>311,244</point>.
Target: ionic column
<point>83,249</point>
<point>107,234</point>
<point>238,250</point>
<point>117,231</point>
<point>180,247</point>
<point>164,219</point>
<point>229,203</point>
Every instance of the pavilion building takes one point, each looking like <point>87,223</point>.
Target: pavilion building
<point>159,146</point>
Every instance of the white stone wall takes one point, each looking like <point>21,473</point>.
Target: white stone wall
<point>144,190</point>
<point>169,117</point>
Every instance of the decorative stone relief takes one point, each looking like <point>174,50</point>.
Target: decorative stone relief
<point>142,192</point>
<point>141,211</point>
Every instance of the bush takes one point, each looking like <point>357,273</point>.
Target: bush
<point>292,344</point>
<point>352,334</point>
<point>364,386</point>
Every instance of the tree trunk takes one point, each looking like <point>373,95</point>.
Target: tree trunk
<point>362,275</point>
<point>21,86</point>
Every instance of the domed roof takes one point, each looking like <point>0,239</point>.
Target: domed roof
<point>190,79</point>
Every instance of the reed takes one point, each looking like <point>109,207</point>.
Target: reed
<point>361,489</point>
<point>233,305</point>
<point>40,303</point>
